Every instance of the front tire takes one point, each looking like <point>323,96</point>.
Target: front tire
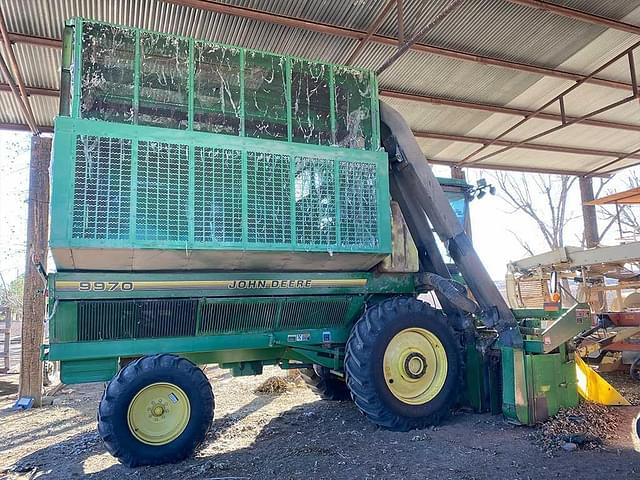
<point>403,364</point>
<point>157,409</point>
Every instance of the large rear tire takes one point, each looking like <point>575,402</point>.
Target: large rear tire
<point>403,364</point>
<point>325,384</point>
<point>157,409</point>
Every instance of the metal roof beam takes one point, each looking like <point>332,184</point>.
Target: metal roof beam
<point>22,127</point>
<point>448,9</point>
<point>349,33</point>
<point>375,25</point>
<point>511,168</point>
<point>44,92</point>
<point>19,92</point>
<point>527,146</point>
<point>518,112</point>
<point>579,15</point>
<point>344,32</point>
<point>560,98</point>
<point>35,40</point>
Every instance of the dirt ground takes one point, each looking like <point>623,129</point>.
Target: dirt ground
<point>296,435</point>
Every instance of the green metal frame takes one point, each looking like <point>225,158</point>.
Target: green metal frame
<point>68,128</point>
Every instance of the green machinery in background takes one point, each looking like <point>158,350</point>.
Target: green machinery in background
<point>213,204</point>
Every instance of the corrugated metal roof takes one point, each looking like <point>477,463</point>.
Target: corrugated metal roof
<point>482,27</point>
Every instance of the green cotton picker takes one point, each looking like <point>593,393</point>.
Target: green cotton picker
<point>218,205</point>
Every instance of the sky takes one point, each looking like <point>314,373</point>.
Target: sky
<point>492,220</point>
<point>14,184</point>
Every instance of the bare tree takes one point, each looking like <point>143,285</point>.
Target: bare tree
<point>625,216</point>
<point>543,198</point>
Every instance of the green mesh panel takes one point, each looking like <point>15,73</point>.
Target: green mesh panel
<point>268,198</point>
<point>218,195</point>
<point>265,96</point>
<point>315,201</point>
<point>216,89</point>
<point>163,192</point>
<point>358,205</point>
<point>164,96</point>
<point>101,196</point>
<point>108,57</point>
<point>140,77</point>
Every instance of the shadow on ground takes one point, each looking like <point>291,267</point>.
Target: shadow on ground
<point>331,440</point>
<point>8,386</point>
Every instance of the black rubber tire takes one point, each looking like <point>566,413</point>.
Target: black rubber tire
<point>112,412</point>
<point>634,369</point>
<point>325,384</point>
<point>364,364</point>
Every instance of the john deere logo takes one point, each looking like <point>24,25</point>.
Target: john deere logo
<point>270,284</point>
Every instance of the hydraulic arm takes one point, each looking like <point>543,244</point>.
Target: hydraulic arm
<point>425,205</point>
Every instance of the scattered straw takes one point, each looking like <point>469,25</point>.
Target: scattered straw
<point>274,386</point>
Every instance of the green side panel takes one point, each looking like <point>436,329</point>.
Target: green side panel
<point>82,371</point>
<point>474,385</point>
<point>537,386</point>
<point>508,384</point>
<point>63,326</point>
<point>228,344</point>
<point>114,285</point>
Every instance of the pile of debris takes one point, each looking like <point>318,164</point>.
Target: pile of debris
<point>587,426</point>
<point>628,387</point>
<point>279,384</point>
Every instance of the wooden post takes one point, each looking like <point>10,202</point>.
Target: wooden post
<point>457,173</point>
<point>34,288</point>
<point>589,213</point>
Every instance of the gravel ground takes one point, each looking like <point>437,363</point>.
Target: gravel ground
<point>295,435</point>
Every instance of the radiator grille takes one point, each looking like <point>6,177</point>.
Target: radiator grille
<point>314,313</point>
<point>358,205</point>
<point>163,192</point>
<point>238,317</point>
<point>101,196</point>
<point>121,319</point>
<point>127,319</point>
<point>267,314</point>
<point>268,198</point>
<point>218,195</point>
<point>315,201</point>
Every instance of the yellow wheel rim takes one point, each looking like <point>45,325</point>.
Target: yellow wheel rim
<point>159,413</point>
<point>415,366</point>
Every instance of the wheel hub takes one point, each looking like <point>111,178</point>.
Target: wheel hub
<point>415,366</point>
<point>159,413</point>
